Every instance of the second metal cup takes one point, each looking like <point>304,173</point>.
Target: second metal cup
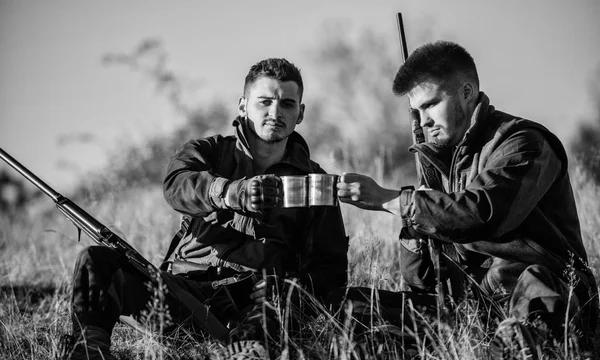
<point>322,190</point>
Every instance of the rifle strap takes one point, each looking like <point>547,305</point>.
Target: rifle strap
<point>185,224</point>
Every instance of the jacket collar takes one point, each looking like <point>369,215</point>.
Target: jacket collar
<point>478,120</point>
<point>296,154</point>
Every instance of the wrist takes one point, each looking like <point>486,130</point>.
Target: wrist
<point>406,205</point>
<point>390,202</point>
<point>234,194</point>
<point>217,190</point>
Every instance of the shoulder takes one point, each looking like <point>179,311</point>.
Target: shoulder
<point>209,142</point>
<point>526,137</point>
<point>317,169</point>
<point>206,148</point>
<point>530,133</point>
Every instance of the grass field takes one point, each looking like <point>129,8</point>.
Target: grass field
<point>38,250</point>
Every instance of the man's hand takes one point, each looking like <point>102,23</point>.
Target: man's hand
<point>265,288</point>
<point>363,192</point>
<point>256,194</point>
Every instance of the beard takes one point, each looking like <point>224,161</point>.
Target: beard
<point>270,137</point>
<point>442,141</point>
<point>445,139</point>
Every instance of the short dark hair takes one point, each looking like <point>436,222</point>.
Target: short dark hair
<point>278,69</point>
<point>440,62</point>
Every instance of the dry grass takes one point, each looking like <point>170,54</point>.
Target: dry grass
<point>38,252</point>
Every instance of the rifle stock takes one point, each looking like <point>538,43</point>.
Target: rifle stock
<point>105,237</point>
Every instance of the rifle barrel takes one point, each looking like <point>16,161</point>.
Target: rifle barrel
<point>104,236</point>
<point>417,131</point>
<point>29,175</point>
<point>418,136</point>
<point>402,36</point>
<point>73,212</point>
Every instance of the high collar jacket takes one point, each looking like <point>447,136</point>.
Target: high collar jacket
<point>310,242</point>
<point>503,192</point>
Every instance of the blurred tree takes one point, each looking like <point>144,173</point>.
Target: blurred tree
<point>140,165</point>
<point>354,119</point>
<point>13,194</point>
<point>586,145</point>
<point>358,120</point>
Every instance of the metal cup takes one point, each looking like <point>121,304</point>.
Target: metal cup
<point>294,191</point>
<point>322,190</point>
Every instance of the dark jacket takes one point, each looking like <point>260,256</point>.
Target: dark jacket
<point>502,194</point>
<point>309,242</point>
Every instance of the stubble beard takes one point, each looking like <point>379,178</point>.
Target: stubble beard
<point>443,140</point>
<point>272,139</point>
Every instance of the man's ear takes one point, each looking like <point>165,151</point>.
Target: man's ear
<point>242,107</point>
<point>301,114</point>
<point>468,92</point>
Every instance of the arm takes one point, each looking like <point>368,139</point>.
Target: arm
<point>363,192</point>
<point>501,196</point>
<point>189,176</point>
<point>192,187</point>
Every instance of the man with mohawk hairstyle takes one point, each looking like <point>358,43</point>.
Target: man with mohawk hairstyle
<point>498,196</point>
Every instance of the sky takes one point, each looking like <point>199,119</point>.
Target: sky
<point>536,59</point>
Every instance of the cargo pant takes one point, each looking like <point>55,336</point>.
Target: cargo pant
<point>530,293</point>
<point>533,294</point>
<point>105,286</point>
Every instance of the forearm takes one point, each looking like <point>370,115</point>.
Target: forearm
<point>363,192</point>
<point>189,179</point>
<point>188,192</point>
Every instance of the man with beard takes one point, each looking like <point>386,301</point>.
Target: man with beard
<point>239,250</point>
<point>499,198</point>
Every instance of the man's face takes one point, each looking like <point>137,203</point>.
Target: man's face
<point>272,108</point>
<point>442,113</point>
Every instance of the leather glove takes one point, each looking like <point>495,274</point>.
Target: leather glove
<point>259,193</point>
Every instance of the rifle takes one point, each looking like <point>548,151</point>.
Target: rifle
<point>105,237</point>
<point>435,246</point>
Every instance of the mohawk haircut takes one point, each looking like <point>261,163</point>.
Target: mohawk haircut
<point>442,62</point>
<point>278,69</point>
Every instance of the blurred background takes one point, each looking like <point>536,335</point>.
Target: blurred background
<point>96,96</point>
<point>82,83</point>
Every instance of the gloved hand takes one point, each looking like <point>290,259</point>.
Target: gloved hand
<point>259,193</point>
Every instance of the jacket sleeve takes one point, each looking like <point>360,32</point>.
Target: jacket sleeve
<point>514,179</point>
<point>189,176</point>
<point>326,263</point>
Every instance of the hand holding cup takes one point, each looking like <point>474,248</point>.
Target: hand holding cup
<point>259,193</point>
<point>362,191</point>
